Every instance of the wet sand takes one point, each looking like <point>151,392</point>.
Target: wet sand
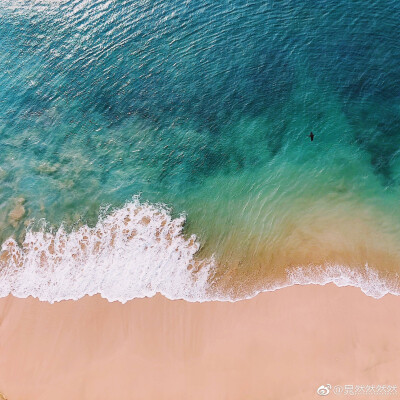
<point>279,345</point>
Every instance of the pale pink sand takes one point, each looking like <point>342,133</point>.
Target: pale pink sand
<point>279,345</point>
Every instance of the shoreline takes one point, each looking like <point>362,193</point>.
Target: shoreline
<point>282,344</point>
<point>139,250</point>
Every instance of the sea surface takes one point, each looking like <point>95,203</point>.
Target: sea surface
<point>162,146</point>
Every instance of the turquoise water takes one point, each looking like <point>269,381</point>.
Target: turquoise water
<point>205,107</point>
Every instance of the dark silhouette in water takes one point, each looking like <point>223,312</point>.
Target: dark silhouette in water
<point>311,135</point>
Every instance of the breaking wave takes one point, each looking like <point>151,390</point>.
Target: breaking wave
<point>138,251</point>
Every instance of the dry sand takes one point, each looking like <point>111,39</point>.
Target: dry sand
<point>279,345</point>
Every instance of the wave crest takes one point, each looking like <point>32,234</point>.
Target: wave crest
<point>137,251</point>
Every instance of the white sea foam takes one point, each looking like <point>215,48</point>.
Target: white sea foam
<point>138,251</point>
<point>369,280</point>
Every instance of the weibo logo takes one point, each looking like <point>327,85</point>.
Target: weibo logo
<point>324,390</point>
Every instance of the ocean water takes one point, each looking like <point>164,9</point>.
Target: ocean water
<point>151,146</point>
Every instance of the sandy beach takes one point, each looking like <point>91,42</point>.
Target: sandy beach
<point>278,345</point>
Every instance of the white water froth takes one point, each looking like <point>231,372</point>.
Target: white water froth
<point>137,251</point>
<point>369,280</point>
